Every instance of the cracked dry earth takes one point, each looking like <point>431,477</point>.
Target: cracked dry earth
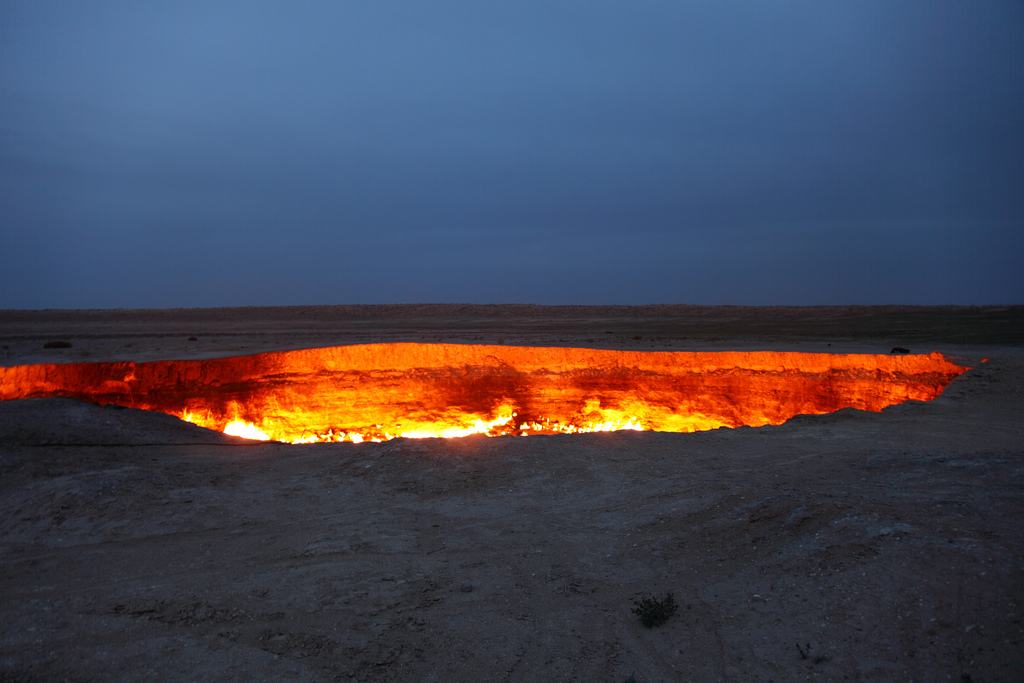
<point>845,547</point>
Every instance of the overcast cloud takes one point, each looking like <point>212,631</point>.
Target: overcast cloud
<point>219,153</point>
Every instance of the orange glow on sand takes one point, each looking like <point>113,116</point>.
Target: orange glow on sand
<point>376,392</point>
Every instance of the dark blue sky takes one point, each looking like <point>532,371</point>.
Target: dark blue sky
<point>205,153</point>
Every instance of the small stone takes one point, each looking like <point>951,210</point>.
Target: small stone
<point>466,587</point>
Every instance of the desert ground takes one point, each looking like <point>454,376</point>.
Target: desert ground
<point>853,546</point>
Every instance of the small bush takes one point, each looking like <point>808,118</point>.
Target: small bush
<point>57,344</point>
<point>654,612</point>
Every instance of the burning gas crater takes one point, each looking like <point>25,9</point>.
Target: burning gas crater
<point>375,392</point>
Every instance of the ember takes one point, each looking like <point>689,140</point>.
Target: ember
<point>375,392</point>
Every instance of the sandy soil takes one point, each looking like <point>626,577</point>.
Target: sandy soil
<point>886,546</point>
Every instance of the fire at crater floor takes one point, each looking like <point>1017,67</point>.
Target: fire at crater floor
<point>376,392</point>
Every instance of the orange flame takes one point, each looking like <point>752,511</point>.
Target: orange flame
<point>376,392</point>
